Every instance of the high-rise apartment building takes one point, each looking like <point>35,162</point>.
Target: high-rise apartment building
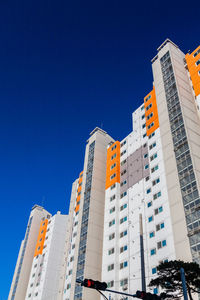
<point>136,203</point>
<point>85,244</point>
<point>152,204</point>
<point>26,254</point>
<point>48,268</point>
<point>40,267</point>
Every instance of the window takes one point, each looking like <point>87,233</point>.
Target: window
<point>123,206</point>
<point>153,156</point>
<point>123,172</point>
<point>111,251</point>
<point>110,284</point>
<point>144,135</point>
<point>123,143</point>
<point>150,219</point>
<point>157,195</point>
<point>112,209</point>
<point>143,116</point>
<point>31,285</point>
<point>68,286</point>
<point>35,266</point>
<point>154,270</point>
<point>146,167</point>
<point>150,125</point>
<point>198,62</point>
<point>123,162</point>
<point>148,190</point>
<point>153,251</point>
<point>196,53</point>
<point>154,169</point>
<point>113,156</point>
<point>147,178</point>
<point>29,295</point>
<point>111,267</point>
<point>123,195</point>
<point>123,183</point>
<point>145,155</point>
<point>151,135</point>
<point>152,146</point>
<point>73,246</point>
<point>113,186</point>
<point>154,182</point>
<point>124,248</point>
<point>144,145</point>
<point>114,147</point>
<point>112,198</point>
<point>144,125</point>
<point>111,222</point>
<point>33,275</point>
<point>111,236</point>
<point>147,98</point>
<point>122,220</point>
<point>149,204</point>
<point>150,116</point>
<point>112,176</point>
<point>123,265</point>
<point>149,106</point>
<point>160,226</point>
<point>161,244</point>
<point>71,259</point>
<point>158,210</point>
<point>113,166</point>
<point>152,234</point>
<point>124,282</point>
<point>123,233</point>
<point>70,272</point>
<point>155,290</point>
<point>142,107</point>
<point>123,152</point>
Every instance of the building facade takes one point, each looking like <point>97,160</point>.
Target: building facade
<point>86,215</point>
<point>26,254</point>
<point>152,204</point>
<point>47,273</point>
<point>135,204</point>
<point>40,268</point>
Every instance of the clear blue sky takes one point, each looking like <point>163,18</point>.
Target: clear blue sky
<point>65,68</point>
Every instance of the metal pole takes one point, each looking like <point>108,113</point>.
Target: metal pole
<point>184,284</point>
<point>142,256</point>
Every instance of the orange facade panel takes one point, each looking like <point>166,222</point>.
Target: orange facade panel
<point>151,112</point>
<point>77,208</point>
<point>41,238</point>
<point>79,192</point>
<point>113,164</point>
<point>193,63</point>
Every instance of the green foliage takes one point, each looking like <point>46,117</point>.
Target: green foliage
<point>169,278</point>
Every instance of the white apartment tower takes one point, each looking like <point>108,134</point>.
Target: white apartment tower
<point>84,253</point>
<point>40,268</point>
<point>152,204</point>
<point>26,254</point>
<point>48,268</point>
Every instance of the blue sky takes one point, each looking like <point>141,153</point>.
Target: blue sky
<point>65,68</point>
